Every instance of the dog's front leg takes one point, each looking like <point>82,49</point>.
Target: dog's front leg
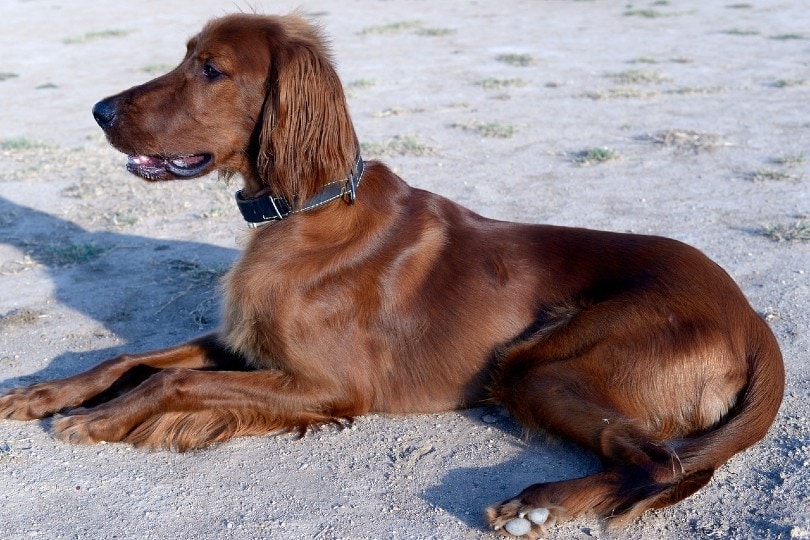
<point>183,409</point>
<point>113,376</point>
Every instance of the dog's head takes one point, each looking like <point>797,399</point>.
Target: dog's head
<point>254,95</point>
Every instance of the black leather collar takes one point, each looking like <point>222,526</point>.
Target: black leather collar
<point>269,208</point>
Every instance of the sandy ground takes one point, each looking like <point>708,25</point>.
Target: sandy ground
<point>703,108</point>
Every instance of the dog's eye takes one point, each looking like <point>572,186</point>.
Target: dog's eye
<point>210,72</point>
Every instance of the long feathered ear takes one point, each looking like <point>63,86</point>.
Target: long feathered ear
<point>307,137</point>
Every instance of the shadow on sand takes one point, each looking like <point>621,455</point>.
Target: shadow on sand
<point>465,492</point>
<point>149,292</point>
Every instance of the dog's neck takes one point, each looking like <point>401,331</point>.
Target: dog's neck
<point>267,208</point>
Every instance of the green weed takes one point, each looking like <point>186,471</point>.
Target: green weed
<point>637,76</point>
<point>515,59</point>
<point>645,13</point>
<point>741,32</point>
<point>361,84</point>
<point>696,90</point>
<point>62,255</point>
<point>769,174</point>
<point>618,93</point>
<point>495,130</point>
<point>435,32</point>
<point>789,159</point>
<point>95,36</point>
<point>498,84</point>
<point>785,83</point>
<point>595,156</point>
<point>785,37</point>
<point>391,27</point>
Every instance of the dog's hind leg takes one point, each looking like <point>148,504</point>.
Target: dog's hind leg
<point>565,398</point>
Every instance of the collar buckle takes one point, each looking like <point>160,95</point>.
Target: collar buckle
<point>356,174</point>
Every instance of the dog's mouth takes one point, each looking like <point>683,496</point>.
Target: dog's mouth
<point>166,168</point>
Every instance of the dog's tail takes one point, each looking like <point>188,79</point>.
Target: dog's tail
<point>746,423</point>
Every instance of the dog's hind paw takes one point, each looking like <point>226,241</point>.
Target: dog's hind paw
<point>519,520</point>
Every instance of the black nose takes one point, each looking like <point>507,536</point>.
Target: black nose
<point>104,112</point>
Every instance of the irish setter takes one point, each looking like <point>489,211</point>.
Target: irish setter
<point>358,293</point>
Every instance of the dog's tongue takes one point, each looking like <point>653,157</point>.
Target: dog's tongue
<point>146,161</point>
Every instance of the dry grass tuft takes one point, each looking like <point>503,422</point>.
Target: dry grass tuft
<point>400,145</point>
<point>789,160</point>
<point>645,13</point>
<point>20,317</point>
<point>515,59</point>
<point>638,76</point>
<point>497,130</point>
<point>769,174</point>
<point>22,143</point>
<point>618,93</point>
<point>396,111</point>
<point>435,32</point>
<point>493,83</point>
<point>687,141</point>
<point>794,232</point>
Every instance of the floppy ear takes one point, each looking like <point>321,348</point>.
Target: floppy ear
<point>307,137</point>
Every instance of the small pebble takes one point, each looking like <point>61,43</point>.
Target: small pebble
<point>518,526</point>
<point>538,515</point>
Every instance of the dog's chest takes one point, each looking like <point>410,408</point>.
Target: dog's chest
<point>249,313</point>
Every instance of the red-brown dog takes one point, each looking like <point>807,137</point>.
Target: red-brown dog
<point>361,294</point>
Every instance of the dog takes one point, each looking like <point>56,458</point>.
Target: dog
<point>357,293</point>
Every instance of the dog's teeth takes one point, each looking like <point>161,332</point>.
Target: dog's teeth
<point>187,161</point>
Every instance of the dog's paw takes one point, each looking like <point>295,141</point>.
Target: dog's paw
<point>83,426</point>
<point>30,403</point>
<point>521,520</point>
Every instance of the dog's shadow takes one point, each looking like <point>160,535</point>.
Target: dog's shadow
<point>145,292</point>
<point>466,491</point>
